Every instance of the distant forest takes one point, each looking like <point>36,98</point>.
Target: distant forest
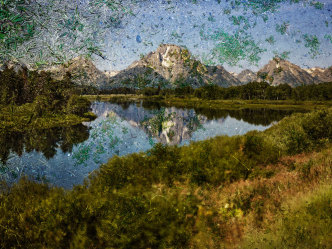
<point>250,91</point>
<point>19,88</point>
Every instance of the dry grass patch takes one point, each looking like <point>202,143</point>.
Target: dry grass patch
<point>253,204</point>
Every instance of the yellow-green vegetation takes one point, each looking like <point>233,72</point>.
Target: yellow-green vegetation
<point>239,104</point>
<point>194,102</point>
<point>251,91</point>
<point>36,116</point>
<point>21,119</point>
<point>305,222</point>
<point>209,194</point>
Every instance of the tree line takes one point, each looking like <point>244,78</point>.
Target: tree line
<point>39,88</point>
<point>250,91</point>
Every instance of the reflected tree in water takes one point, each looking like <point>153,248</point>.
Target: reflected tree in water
<point>45,141</point>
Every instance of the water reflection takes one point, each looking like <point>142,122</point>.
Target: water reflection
<point>65,156</point>
<point>253,116</point>
<point>44,141</point>
<point>257,116</point>
<point>172,126</point>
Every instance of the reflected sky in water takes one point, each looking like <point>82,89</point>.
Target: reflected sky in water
<point>118,130</point>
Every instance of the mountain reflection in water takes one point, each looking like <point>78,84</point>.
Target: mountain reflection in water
<point>65,156</point>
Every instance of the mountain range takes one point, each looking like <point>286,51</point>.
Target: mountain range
<point>173,66</point>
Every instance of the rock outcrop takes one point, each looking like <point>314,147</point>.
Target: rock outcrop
<point>321,74</point>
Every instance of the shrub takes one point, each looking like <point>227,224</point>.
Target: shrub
<point>259,149</point>
<point>41,105</point>
<point>95,218</point>
<point>318,126</point>
<point>149,91</point>
<point>297,141</point>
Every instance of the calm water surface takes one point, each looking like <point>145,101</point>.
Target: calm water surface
<point>65,156</point>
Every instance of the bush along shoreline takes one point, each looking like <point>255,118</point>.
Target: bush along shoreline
<point>32,100</point>
<point>204,195</point>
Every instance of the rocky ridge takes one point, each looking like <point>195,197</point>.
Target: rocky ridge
<point>321,74</point>
<point>83,72</point>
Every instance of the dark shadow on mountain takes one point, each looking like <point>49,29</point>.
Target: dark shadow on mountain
<point>138,77</point>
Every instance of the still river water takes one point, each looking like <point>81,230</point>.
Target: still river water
<point>65,156</point>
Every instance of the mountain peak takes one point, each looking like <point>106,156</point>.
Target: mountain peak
<point>279,71</point>
<point>173,65</point>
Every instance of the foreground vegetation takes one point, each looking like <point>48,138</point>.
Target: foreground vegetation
<point>35,100</point>
<point>305,222</point>
<point>209,194</point>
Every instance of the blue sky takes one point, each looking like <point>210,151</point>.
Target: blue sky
<point>180,22</point>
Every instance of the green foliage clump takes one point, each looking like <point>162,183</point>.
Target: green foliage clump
<point>270,40</point>
<point>282,29</point>
<point>231,48</point>
<point>312,42</point>
<point>66,32</point>
<point>95,217</point>
<point>328,37</point>
<point>15,27</point>
<point>317,5</point>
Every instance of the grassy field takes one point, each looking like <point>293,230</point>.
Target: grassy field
<point>215,104</point>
